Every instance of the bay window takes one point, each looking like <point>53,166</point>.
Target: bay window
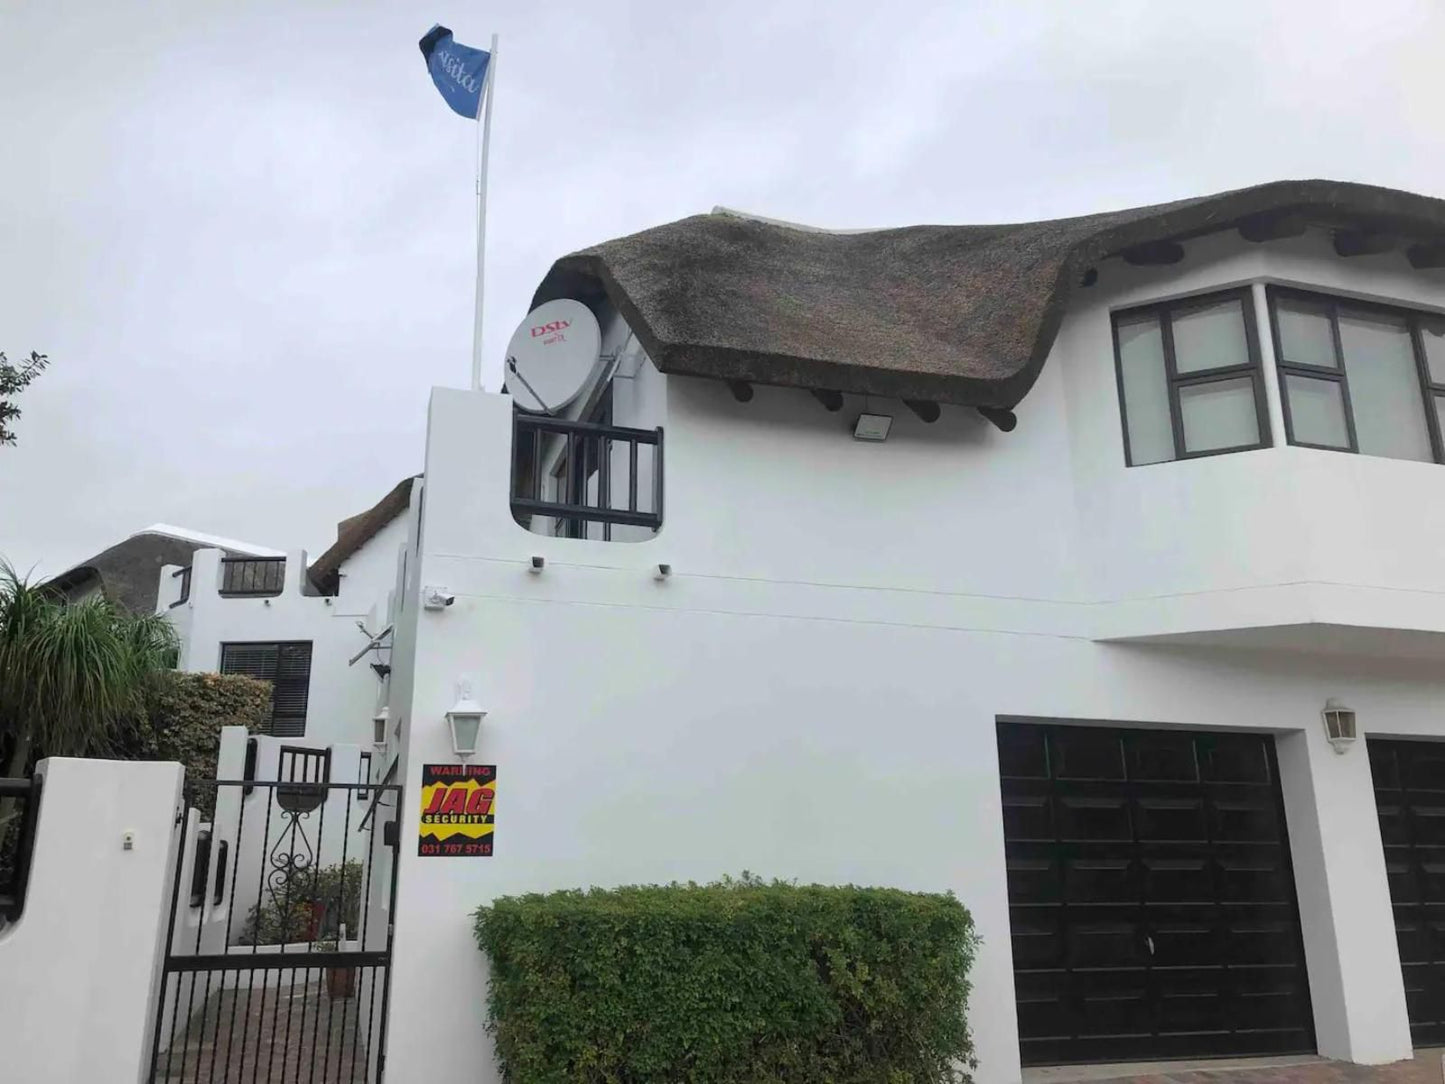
<point>1358,377</point>
<point>1190,382</point>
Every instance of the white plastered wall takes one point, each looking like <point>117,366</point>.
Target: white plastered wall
<point>78,971</point>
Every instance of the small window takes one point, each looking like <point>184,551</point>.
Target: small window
<point>363,775</point>
<point>287,666</point>
<point>1190,382</point>
<point>1359,378</point>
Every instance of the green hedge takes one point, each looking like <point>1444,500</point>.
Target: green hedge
<point>727,983</point>
<point>184,716</point>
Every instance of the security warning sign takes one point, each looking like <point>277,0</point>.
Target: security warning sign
<point>458,810</point>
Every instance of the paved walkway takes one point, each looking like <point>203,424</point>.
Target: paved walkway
<point>1425,1068</point>
<point>276,1035</point>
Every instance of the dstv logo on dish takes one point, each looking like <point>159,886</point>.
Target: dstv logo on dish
<point>551,332</point>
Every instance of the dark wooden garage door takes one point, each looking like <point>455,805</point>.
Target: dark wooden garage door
<point>1151,898</point>
<point>1410,797</point>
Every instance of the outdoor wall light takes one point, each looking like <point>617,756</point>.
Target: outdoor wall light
<point>538,563</point>
<point>663,572</point>
<point>465,720</point>
<point>872,426</point>
<point>1339,725</point>
<point>378,725</point>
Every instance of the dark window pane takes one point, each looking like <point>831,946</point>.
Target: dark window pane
<point>1384,386</point>
<point>1220,414</point>
<point>1304,333</point>
<point>1317,411</point>
<point>1210,338</point>
<point>1146,391</point>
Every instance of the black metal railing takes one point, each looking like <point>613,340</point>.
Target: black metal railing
<point>570,471</point>
<point>253,576</point>
<point>184,575</point>
<point>19,814</point>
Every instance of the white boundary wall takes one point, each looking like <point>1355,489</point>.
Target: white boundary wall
<point>78,971</point>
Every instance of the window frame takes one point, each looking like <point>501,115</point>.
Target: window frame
<point>1332,303</point>
<point>1165,311</point>
<point>278,645</point>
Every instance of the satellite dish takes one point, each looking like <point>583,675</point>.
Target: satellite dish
<point>552,356</point>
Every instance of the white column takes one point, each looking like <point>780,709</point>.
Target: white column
<point>1356,987</point>
<point>295,582</point>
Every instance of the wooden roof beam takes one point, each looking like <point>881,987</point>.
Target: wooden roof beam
<point>1004,420</point>
<point>1426,256</point>
<point>1272,227</point>
<point>1362,243</point>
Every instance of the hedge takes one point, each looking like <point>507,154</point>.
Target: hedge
<point>739,981</point>
<point>185,713</point>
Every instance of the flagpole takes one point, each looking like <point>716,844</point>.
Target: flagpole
<point>484,123</point>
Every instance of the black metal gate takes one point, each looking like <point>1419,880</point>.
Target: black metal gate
<point>278,950</point>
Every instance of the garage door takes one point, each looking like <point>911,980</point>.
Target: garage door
<point>1151,898</point>
<point>1410,797</point>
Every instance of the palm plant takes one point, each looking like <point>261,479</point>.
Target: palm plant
<point>70,674</point>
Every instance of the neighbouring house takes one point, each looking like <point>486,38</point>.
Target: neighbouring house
<point>317,632</point>
<point>1028,561</point>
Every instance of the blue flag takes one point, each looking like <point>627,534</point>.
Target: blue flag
<point>458,71</point>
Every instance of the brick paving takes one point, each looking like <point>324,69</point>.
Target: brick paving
<point>272,1035</point>
<point>1424,1068</point>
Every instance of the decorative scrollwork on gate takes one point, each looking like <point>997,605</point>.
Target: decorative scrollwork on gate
<point>293,858</point>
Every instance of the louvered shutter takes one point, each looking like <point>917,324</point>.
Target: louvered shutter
<point>288,668</point>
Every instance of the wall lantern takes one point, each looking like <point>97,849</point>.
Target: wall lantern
<point>1339,725</point>
<point>465,720</point>
<point>378,727</point>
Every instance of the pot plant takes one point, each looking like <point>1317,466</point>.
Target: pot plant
<point>340,981</point>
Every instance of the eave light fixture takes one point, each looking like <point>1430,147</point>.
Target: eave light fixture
<point>872,427</point>
<point>465,722</point>
<point>1339,725</point>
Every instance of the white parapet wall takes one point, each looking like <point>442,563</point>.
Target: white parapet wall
<point>78,969</point>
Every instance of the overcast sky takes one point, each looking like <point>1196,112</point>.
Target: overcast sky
<point>243,231</point>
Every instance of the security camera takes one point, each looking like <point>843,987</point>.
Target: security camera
<point>437,598</point>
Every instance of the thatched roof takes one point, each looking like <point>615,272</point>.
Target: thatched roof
<point>128,573</point>
<point>356,531</point>
<point>956,314</point>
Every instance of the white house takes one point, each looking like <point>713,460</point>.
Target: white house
<point>317,631</point>
<point>1158,486</point>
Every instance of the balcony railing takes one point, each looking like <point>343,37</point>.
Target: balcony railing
<point>253,577</point>
<point>580,473</point>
